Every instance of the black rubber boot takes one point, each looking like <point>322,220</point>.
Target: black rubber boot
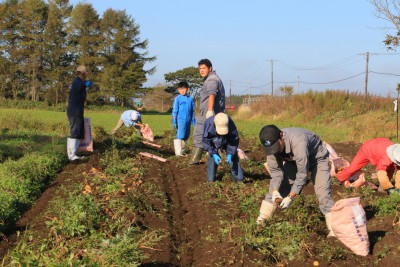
<point>196,156</point>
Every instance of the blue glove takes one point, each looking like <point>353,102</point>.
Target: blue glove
<point>286,202</point>
<point>88,83</point>
<point>217,158</point>
<point>229,158</point>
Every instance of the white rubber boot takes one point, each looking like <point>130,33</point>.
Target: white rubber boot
<point>328,220</point>
<point>72,147</point>
<point>266,211</point>
<point>178,147</point>
<point>183,144</point>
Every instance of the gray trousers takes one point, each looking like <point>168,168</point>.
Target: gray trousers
<point>198,129</point>
<point>320,176</point>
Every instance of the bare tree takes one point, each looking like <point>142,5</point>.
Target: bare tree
<point>389,10</point>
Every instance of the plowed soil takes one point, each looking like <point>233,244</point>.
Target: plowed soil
<point>192,217</point>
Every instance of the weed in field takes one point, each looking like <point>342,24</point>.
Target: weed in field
<point>389,205</point>
<point>77,216</point>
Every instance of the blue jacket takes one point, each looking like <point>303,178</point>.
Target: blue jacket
<point>213,141</point>
<point>183,115</point>
<point>127,119</point>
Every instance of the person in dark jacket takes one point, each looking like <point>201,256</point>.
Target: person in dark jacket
<point>76,102</point>
<point>220,134</point>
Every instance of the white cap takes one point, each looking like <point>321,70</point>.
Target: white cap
<point>393,152</point>
<point>221,121</point>
<point>82,69</point>
<point>134,115</point>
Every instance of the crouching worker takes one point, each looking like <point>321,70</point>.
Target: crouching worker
<point>182,117</point>
<point>220,134</point>
<point>130,118</point>
<point>384,155</point>
<point>291,154</point>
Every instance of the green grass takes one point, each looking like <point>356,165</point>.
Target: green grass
<point>160,123</point>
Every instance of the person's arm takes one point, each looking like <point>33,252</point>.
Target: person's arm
<point>175,109</point>
<point>211,100</point>
<point>301,157</point>
<point>208,144</point>
<point>233,139</point>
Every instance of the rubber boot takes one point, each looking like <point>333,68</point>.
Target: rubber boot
<point>328,220</point>
<point>72,147</point>
<point>183,144</point>
<point>266,211</point>
<point>178,147</point>
<point>196,156</point>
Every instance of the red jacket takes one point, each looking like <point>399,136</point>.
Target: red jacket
<point>372,151</point>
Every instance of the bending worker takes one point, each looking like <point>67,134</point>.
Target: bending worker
<point>291,154</point>
<point>384,155</point>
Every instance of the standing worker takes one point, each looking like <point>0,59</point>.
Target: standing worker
<point>384,155</point>
<point>182,117</point>
<point>212,101</point>
<point>220,134</point>
<point>76,102</point>
<point>291,154</point>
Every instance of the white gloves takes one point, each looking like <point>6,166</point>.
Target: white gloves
<point>209,113</point>
<point>286,202</point>
<point>275,196</point>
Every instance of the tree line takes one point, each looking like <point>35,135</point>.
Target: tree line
<point>42,43</point>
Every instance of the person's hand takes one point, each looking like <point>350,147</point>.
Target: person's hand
<point>229,158</point>
<point>173,125</point>
<point>286,202</point>
<point>276,197</point>
<point>194,122</point>
<point>88,83</point>
<point>209,113</point>
<point>217,158</point>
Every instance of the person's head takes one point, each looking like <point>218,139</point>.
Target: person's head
<point>183,88</point>
<point>221,121</point>
<point>271,139</point>
<point>81,71</point>
<point>135,116</point>
<point>393,152</point>
<point>205,67</point>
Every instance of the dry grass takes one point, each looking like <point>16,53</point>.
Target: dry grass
<point>361,118</point>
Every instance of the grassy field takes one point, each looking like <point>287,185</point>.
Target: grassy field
<point>45,121</point>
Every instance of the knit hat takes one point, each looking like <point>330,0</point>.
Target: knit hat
<point>221,121</point>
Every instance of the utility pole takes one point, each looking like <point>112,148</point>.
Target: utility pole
<point>272,77</point>
<point>230,92</point>
<point>366,75</point>
<point>298,85</point>
<point>249,92</point>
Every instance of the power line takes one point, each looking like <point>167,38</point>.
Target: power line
<point>348,78</point>
<point>383,73</point>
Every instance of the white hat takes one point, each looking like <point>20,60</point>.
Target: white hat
<point>82,69</point>
<point>393,152</point>
<point>221,121</point>
<point>134,115</point>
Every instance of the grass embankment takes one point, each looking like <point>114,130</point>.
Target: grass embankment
<point>30,156</point>
<point>336,116</point>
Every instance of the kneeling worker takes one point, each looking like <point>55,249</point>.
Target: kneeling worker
<point>220,133</point>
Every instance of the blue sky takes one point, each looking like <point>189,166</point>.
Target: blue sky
<point>311,44</point>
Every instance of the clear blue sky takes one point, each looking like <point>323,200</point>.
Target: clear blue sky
<point>310,41</point>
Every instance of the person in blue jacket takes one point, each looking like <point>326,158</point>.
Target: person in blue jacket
<point>129,118</point>
<point>220,134</point>
<point>182,117</point>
